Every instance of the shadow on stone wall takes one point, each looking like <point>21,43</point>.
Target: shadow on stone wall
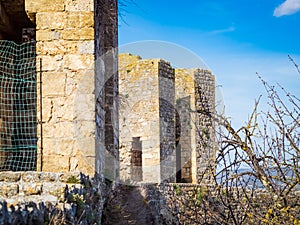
<point>35,198</point>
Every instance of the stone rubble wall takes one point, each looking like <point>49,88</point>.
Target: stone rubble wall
<point>205,132</point>
<point>41,198</point>
<point>176,203</point>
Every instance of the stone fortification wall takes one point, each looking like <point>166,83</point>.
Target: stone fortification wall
<point>65,43</point>
<point>185,133</point>
<point>195,105</point>
<point>205,128</point>
<point>182,141</point>
<point>146,118</point>
<point>167,121</point>
<point>106,87</point>
<point>50,198</point>
<point>77,40</point>
<point>139,118</point>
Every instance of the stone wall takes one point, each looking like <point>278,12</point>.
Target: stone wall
<point>167,122</point>
<point>195,105</point>
<point>186,203</point>
<point>205,128</point>
<point>186,135</point>
<point>56,198</point>
<point>70,36</point>
<point>65,43</point>
<point>186,124</point>
<point>144,106</point>
<point>106,87</point>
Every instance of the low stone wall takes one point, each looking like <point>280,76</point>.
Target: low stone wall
<point>183,202</point>
<point>180,203</point>
<point>73,198</point>
<point>157,204</point>
<point>50,198</point>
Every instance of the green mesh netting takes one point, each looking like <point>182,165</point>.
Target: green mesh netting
<point>18,120</point>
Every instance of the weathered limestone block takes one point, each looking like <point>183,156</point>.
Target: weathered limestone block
<point>46,35</point>
<point>32,188</point>
<point>56,83</point>
<point>63,109</point>
<point>10,177</point>
<point>82,163</point>
<point>84,82</point>
<point>83,108</point>
<point>48,109</point>
<point>79,5</point>
<point>57,146</point>
<point>57,47</point>
<point>51,20</point>
<point>85,33</point>
<point>56,189</point>
<point>51,162</point>
<point>77,62</point>
<point>64,129</point>
<point>84,129</point>
<point>33,6</point>
<point>80,19</point>
<point>52,63</point>
<point>86,47</point>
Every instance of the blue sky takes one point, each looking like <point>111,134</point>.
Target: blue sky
<point>235,39</point>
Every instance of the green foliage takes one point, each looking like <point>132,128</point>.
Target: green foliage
<point>73,180</point>
<point>177,190</point>
<point>199,197</point>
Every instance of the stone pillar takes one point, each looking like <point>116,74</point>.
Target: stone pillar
<point>65,39</point>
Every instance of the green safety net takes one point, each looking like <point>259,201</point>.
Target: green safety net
<point>18,106</point>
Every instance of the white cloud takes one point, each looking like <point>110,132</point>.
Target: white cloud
<point>287,8</point>
<point>220,31</point>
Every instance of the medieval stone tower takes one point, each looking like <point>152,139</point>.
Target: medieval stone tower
<point>147,120</point>
<point>166,126</point>
<point>76,80</point>
<point>60,119</point>
<point>166,121</point>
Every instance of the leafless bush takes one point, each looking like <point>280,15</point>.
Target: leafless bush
<point>257,180</point>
